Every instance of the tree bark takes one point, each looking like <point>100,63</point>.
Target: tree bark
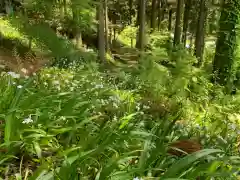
<point>200,34</point>
<point>106,26</point>
<point>170,19</point>
<point>159,13</point>
<point>177,34</point>
<point>226,42</point>
<point>141,41</point>
<point>101,37</point>
<point>153,15</point>
<point>77,31</point>
<point>186,21</point>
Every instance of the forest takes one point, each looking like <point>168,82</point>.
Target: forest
<point>119,90</point>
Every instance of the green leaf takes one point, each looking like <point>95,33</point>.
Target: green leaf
<point>41,170</point>
<point>46,176</point>
<point>126,120</point>
<point>183,163</point>
<point>37,149</point>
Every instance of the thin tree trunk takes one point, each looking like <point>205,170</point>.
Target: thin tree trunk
<point>101,38</point>
<point>142,25</point>
<point>77,31</point>
<point>130,4</point>
<point>170,20</point>
<point>177,34</point>
<point>106,26</point>
<point>186,21</point>
<point>200,34</point>
<point>65,7</point>
<point>153,15</point>
<point>159,13</point>
<point>163,11</point>
<point>138,13</point>
<point>30,43</point>
<point>114,29</point>
<point>193,23</point>
<point>226,42</point>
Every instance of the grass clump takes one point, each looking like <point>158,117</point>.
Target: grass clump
<point>87,123</point>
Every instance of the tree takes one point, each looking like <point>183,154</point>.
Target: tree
<point>106,24</point>
<point>170,19</point>
<point>186,21</point>
<point>141,34</point>
<point>153,14</point>
<point>177,33</point>
<point>101,34</point>
<point>226,41</point>
<point>76,20</point>
<point>200,33</point>
<point>160,14</point>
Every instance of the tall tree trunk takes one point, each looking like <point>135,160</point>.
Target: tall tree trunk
<point>177,34</point>
<point>114,29</point>
<point>170,19</point>
<point>141,41</point>
<point>101,35</point>
<point>226,42</point>
<point>106,26</point>
<point>138,13</point>
<point>186,21</point>
<point>193,23</point>
<point>77,30</point>
<point>153,15</point>
<point>130,4</point>
<point>159,3</point>
<point>65,7</point>
<point>200,34</point>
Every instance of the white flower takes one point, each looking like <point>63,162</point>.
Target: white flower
<point>136,178</point>
<point>56,82</point>
<point>19,86</point>
<point>14,75</point>
<point>27,120</point>
<point>187,45</point>
<point>115,118</point>
<point>99,86</point>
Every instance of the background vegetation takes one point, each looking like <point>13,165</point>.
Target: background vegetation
<point>116,89</point>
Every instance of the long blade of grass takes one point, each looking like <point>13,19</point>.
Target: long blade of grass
<point>183,163</point>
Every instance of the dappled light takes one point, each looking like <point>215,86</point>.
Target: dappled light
<point>119,90</point>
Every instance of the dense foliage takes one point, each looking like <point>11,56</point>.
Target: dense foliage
<point>72,107</point>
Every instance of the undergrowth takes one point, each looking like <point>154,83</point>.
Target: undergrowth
<point>88,122</point>
<point>84,123</point>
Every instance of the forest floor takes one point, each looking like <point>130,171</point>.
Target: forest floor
<point>92,122</point>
